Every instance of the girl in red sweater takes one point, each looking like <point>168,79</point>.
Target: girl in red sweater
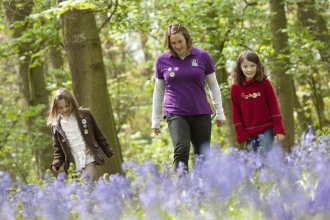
<point>256,113</point>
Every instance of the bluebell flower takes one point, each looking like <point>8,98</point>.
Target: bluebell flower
<point>228,184</point>
<point>61,177</point>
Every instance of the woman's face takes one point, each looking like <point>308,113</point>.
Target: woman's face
<point>63,107</point>
<point>249,69</point>
<point>179,44</point>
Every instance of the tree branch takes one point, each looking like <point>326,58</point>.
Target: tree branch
<point>109,18</point>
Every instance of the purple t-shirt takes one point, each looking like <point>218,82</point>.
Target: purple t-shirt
<point>185,81</point>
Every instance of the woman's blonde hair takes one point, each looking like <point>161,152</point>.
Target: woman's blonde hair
<point>69,99</point>
<point>176,28</point>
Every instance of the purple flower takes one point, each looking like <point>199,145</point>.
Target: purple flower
<point>226,184</point>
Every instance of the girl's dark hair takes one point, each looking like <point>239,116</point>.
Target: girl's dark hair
<point>253,57</point>
<point>176,28</point>
<point>69,99</point>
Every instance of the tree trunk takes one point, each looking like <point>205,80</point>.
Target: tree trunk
<point>303,120</point>
<point>283,82</point>
<point>222,77</point>
<point>83,48</point>
<point>56,58</point>
<point>32,85</point>
<point>313,81</point>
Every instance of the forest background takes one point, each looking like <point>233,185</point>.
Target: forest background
<point>104,52</point>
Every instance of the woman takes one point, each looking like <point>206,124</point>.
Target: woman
<point>182,71</point>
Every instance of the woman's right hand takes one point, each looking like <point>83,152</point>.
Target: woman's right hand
<point>54,168</point>
<point>157,131</point>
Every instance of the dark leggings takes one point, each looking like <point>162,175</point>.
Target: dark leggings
<point>185,129</point>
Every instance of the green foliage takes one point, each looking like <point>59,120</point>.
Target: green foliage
<point>54,10</point>
<point>17,148</point>
<point>131,105</point>
<point>324,132</point>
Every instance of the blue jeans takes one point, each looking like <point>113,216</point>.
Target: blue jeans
<point>185,129</point>
<point>265,141</point>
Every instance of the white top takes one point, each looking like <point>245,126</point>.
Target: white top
<point>75,141</point>
<point>159,94</point>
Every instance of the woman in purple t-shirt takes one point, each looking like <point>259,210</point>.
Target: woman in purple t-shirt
<point>181,73</point>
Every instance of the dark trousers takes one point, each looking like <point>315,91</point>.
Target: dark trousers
<point>185,129</point>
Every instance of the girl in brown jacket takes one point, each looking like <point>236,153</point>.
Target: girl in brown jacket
<point>77,138</point>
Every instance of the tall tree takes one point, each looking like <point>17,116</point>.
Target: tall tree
<point>83,49</point>
<point>303,120</point>
<point>221,73</point>
<point>280,66</point>
<point>30,78</point>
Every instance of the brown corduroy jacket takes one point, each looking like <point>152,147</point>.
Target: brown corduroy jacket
<point>94,139</point>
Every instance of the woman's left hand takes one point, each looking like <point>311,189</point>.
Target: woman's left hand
<point>220,122</point>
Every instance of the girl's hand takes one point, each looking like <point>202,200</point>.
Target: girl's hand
<point>54,168</point>
<point>157,131</point>
<point>280,137</point>
<point>220,122</point>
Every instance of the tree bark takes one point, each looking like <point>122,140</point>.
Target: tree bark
<point>280,66</point>
<point>83,48</point>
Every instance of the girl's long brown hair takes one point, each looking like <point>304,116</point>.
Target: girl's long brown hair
<point>253,57</point>
<point>69,99</point>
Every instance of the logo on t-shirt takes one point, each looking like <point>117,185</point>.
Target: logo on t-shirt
<point>194,62</point>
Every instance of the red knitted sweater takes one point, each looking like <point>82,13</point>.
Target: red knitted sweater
<point>255,108</point>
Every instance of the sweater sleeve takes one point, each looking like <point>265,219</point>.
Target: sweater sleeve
<point>59,156</point>
<point>157,102</point>
<point>274,109</point>
<point>215,94</point>
<point>241,134</point>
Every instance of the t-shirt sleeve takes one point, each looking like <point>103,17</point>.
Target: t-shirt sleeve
<point>158,69</point>
<point>209,66</point>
